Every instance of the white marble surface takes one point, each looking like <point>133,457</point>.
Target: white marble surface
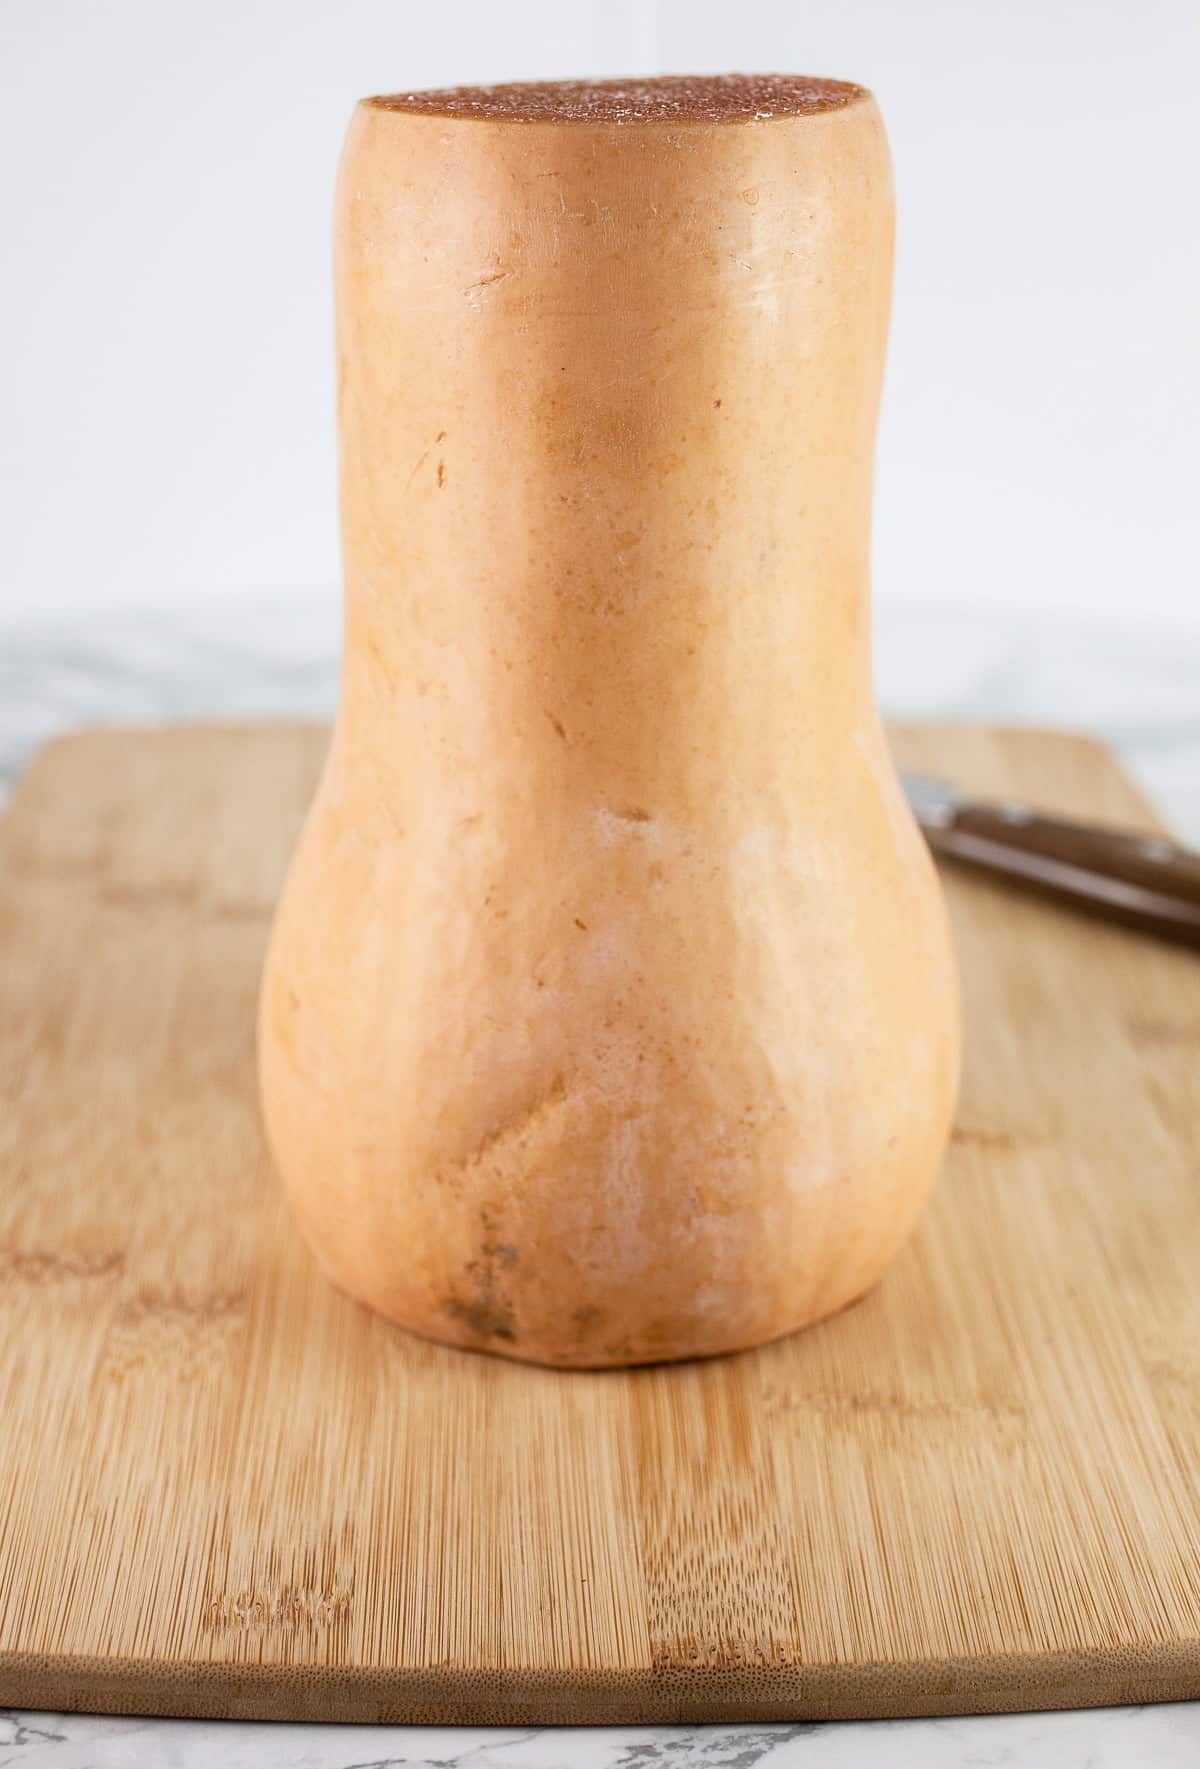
<point>1166,1736</point>
<point>275,656</point>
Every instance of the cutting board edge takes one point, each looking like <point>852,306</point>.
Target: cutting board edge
<point>916,1689</point>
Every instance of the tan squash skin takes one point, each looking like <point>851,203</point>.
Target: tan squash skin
<point>610,1013</point>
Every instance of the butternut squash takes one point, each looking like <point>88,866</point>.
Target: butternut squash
<point>610,1013</point>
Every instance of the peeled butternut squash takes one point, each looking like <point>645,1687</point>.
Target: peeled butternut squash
<point>610,1012</point>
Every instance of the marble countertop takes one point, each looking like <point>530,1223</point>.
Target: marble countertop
<point>276,656</point>
<point>1163,1736</point>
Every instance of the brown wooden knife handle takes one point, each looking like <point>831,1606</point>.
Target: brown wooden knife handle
<point>1144,881</point>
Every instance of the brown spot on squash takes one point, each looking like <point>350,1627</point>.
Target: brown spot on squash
<point>483,1315</point>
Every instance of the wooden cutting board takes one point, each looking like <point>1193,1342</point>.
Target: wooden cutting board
<point>225,1489</point>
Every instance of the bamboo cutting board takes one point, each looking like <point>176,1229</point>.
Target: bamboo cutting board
<point>225,1489</point>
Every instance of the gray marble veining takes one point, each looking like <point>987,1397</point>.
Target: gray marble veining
<point>273,656</point>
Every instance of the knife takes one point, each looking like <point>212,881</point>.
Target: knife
<point>1145,881</point>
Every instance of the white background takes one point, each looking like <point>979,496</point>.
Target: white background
<point>165,186</point>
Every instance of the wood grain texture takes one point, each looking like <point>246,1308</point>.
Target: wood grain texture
<point>225,1489</point>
